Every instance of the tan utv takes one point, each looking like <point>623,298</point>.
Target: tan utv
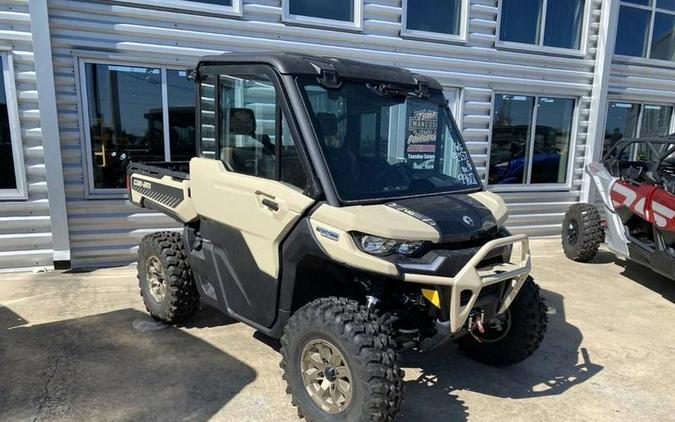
<point>333,204</point>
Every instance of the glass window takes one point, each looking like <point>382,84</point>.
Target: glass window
<point>223,7</point>
<point>631,38</point>
<point>663,37</point>
<point>440,16</point>
<point>564,19</point>
<point>647,29</point>
<point>518,156</point>
<point>127,118</point>
<point>247,124</point>
<point>368,134</point>
<point>181,98</point>
<point>522,21</point>
<point>511,127</point>
<point>7,169</point>
<point>655,120</point>
<point>552,140</point>
<point>387,144</point>
<point>665,4</point>
<point>291,169</point>
<point>622,122</point>
<point>341,10</point>
<point>623,118</point>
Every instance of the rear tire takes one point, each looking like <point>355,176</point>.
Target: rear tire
<point>165,278</point>
<point>525,333</point>
<point>582,232</point>
<point>359,343</point>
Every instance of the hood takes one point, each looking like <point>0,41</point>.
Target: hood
<point>456,217</point>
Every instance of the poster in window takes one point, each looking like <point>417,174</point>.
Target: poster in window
<point>421,139</point>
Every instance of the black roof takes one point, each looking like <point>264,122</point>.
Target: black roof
<point>301,64</point>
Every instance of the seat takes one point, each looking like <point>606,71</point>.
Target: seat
<point>241,148</point>
<point>669,184</point>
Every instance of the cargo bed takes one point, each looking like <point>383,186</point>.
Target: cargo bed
<point>163,186</point>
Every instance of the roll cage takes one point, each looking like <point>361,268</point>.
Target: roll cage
<point>653,164</point>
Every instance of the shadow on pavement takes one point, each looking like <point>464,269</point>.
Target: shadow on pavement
<point>648,278</point>
<point>552,370</point>
<point>114,366</point>
<point>640,274</point>
<point>207,317</point>
<point>603,257</point>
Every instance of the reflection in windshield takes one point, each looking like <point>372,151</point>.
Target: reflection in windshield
<point>381,146</point>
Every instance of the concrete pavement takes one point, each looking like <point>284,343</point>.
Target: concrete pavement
<point>79,346</point>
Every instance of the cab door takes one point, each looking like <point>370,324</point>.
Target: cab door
<point>248,192</point>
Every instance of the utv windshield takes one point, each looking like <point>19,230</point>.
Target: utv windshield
<point>381,143</point>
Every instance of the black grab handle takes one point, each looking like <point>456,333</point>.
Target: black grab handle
<point>270,204</point>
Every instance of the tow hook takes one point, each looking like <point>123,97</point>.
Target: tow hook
<point>475,323</point>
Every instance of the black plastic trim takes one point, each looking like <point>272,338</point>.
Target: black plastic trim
<point>307,130</point>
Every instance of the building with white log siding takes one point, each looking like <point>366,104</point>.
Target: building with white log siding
<point>538,83</point>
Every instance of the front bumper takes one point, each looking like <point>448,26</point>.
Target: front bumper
<point>473,277</point>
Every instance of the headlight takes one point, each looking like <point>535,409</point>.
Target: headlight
<point>381,246</point>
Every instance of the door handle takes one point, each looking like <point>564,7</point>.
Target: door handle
<point>274,206</point>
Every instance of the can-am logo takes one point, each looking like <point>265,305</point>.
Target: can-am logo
<point>468,220</point>
<point>142,184</point>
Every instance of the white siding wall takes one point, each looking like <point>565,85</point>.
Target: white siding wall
<point>107,231</point>
<point>642,83</point>
<point>25,237</point>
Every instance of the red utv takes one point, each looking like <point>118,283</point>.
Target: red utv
<point>636,181</point>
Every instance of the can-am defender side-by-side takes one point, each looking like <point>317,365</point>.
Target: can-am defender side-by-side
<point>333,204</point>
<point>636,181</point>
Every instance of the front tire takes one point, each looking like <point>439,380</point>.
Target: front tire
<point>526,327</point>
<point>165,278</point>
<point>339,363</point>
<point>582,232</point>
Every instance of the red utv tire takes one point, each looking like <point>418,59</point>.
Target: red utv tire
<point>582,232</point>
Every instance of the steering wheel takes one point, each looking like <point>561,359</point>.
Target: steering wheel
<point>393,172</point>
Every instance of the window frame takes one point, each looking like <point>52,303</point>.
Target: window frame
<point>355,25</point>
<point>239,72</point>
<point>569,174</point>
<point>540,47</point>
<point>91,191</point>
<point>653,10</point>
<point>641,104</point>
<point>284,110</point>
<point>21,190</point>
<point>462,37</point>
<point>194,6</point>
